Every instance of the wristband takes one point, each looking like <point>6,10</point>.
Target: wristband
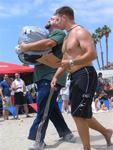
<point>71,62</point>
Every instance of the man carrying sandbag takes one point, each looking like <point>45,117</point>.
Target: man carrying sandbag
<point>43,75</point>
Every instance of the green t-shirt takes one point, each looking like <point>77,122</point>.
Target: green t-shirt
<point>45,72</point>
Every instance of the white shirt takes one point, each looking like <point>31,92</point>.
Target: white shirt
<point>19,85</point>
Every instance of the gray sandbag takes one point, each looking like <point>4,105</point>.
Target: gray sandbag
<point>31,34</point>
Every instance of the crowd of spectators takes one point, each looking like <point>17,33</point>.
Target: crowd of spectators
<point>14,92</point>
<point>103,99</point>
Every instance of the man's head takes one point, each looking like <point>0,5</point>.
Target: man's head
<point>6,77</point>
<point>99,74</point>
<point>65,15</point>
<point>17,76</point>
<point>52,23</point>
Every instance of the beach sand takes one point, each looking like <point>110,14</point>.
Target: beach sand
<point>13,134</point>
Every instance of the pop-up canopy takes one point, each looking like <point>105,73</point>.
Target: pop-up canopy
<point>25,71</point>
<point>8,68</point>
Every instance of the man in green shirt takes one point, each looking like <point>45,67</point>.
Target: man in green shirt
<point>43,75</point>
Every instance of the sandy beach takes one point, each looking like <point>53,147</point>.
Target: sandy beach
<point>13,134</point>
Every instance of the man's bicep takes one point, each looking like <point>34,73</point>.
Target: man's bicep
<point>46,43</point>
<point>87,46</point>
<point>86,42</point>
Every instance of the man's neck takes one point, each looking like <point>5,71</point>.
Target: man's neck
<point>18,79</point>
<point>74,26</point>
<point>70,26</point>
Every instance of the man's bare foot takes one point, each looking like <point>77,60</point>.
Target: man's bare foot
<point>108,136</point>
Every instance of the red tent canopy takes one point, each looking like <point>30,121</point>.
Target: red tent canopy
<point>7,68</point>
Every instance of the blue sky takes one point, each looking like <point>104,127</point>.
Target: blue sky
<point>14,14</point>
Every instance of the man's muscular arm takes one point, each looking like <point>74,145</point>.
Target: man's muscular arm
<point>58,73</point>
<point>43,45</point>
<point>87,45</point>
<point>1,94</point>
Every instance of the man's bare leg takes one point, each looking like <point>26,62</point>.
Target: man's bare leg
<point>7,114</point>
<point>4,114</point>
<point>26,109</point>
<point>17,111</point>
<point>83,130</point>
<point>107,133</point>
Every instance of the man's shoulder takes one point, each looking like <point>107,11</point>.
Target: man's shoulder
<point>14,80</point>
<point>57,35</point>
<point>21,80</point>
<point>81,31</point>
<point>2,82</point>
<point>58,31</point>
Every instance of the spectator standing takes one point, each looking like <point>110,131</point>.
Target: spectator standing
<point>18,86</point>
<point>100,84</point>
<point>5,92</point>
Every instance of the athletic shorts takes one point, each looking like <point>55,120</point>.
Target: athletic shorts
<point>20,98</point>
<point>82,89</point>
<point>7,102</point>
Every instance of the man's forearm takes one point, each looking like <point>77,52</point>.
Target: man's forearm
<point>59,72</point>
<point>1,94</point>
<point>41,45</point>
<point>35,46</point>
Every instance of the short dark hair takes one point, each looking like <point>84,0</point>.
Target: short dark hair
<point>100,74</point>
<point>65,10</point>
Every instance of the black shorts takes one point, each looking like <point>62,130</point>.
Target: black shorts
<point>20,98</point>
<point>82,89</point>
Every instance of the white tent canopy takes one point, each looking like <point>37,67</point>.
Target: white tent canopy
<point>106,73</point>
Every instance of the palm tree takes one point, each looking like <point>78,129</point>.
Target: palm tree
<point>106,31</point>
<point>95,39</point>
<point>99,33</point>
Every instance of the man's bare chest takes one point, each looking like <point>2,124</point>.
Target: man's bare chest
<point>69,45</point>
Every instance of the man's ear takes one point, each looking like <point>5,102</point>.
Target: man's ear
<point>64,17</point>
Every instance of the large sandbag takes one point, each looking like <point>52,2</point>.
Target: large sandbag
<point>31,34</point>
